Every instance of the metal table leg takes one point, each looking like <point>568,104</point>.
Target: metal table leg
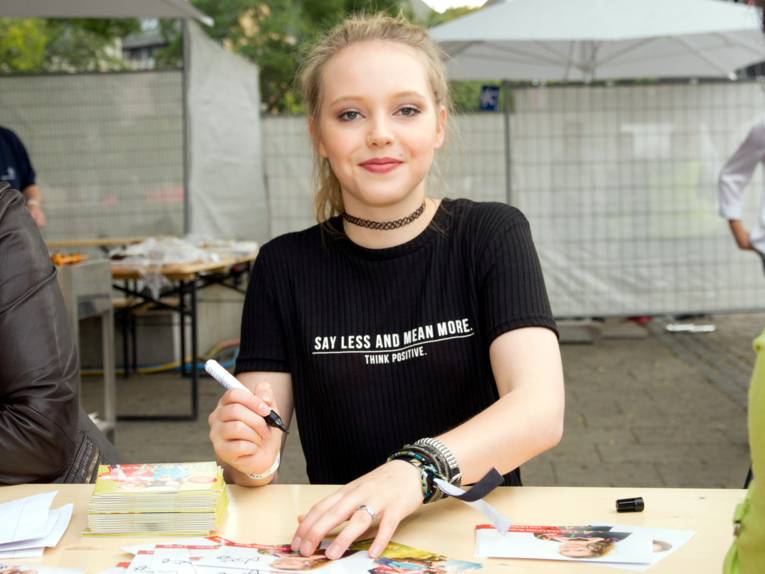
<point>183,286</point>
<point>194,353</point>
<point>182,321</point>
<point>110,379</point>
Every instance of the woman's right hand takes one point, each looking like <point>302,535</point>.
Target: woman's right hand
<point>239,433</point>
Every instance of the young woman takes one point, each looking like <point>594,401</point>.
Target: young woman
<point>412,336</point>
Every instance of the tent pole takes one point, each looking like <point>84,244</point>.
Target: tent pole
<point>186,127</point>
<point>508,152</point>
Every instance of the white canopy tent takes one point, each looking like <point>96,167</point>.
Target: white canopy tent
<point>101,9</point>
<point>584,40</point>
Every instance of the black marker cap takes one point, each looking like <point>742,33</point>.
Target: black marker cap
<point>274,420</point>
<point>630,504</point>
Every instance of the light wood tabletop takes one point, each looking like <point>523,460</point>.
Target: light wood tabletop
<point>93,242</point>
<point>268,515</point>
<point>180,271</point>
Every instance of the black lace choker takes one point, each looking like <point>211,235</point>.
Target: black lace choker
<point>385,225</point>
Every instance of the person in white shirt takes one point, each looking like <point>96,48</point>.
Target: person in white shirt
<point>734,177</point>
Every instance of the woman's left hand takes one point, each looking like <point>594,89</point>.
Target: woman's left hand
<point>390,493</point>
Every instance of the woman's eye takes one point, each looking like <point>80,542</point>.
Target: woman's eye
<point>349,115</point>
<point>408,111</point>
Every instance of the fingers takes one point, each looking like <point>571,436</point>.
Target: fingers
<point>391,491</point>
<point>387,527</point>
<point>235,421</point>
<point>359,523</point>
<point>264,391</point>
<point>237,428</point>
<point>254,402</point>
<point>307,537</point>
<point>318,527</point>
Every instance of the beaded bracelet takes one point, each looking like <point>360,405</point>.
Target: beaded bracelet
<point>268,472</point>
<point>429,471</point>
<point>446,459</point>
<point>442,467</point>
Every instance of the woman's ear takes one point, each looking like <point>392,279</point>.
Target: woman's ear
<point>313,130</point>
<point>443,115</point>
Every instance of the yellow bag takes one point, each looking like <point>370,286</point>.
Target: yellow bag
<point>747,555</point>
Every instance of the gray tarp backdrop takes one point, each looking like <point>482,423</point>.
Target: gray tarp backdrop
<point>228,197</point>
<point>109,149</point>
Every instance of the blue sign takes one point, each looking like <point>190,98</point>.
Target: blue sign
<point>489,98</point>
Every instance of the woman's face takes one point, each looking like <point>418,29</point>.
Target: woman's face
<point>299,562</point>
<point>577,548</point>
<point>378,124</point>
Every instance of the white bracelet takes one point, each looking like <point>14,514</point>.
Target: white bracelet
<point>33,202</point>
<point>268,473</point>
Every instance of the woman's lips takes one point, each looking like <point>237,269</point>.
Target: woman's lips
<point>381,165</point>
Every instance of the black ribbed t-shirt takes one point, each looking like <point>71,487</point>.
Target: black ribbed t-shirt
<point>386,346</point>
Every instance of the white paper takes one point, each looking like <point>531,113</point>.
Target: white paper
<point>233,558</point>
<point>25,518</point>
<point>146,563</point>
<point>500,522</point>
<point>665,541</point>
<point>635,548</point>
<point>58,521</point>
<point>170,541</point>
<point>29,569</point>
<point>237,557</point>
<point>22,553</point>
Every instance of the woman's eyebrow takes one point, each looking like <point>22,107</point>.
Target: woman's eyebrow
<point>397,96</point>
<point>345,99</point>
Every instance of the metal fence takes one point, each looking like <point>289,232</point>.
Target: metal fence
<point>107,148</point>
<point>619,182</point>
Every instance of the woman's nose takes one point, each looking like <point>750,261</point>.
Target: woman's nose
<point>379,134</point>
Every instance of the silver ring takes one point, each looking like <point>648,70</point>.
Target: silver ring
<point>369,510</point>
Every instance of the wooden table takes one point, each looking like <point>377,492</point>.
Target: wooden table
<point>268,515</point>
<point>186,280</point>
<point>101,242</point>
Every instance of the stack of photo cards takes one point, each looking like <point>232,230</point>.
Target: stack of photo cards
<point>186,499</point>
<point>29,525</point>
<point>621,546</point>
<point>216,555</point>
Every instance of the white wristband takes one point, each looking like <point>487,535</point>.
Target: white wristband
<point>268,473</point>
<point>33,202</point>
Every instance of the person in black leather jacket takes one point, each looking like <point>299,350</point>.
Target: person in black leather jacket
<point>44,435</point>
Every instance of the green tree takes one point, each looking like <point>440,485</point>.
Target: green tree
<point>437,18</point>
<point>22,44</point>
<point>75,45</point>
<point>40,45</point>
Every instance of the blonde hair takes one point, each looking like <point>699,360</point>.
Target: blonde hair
<point>328,200</point>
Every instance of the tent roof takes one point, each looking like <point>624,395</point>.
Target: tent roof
<point>568,20</point>
<point>101,9</point>
<point>582,40</point>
